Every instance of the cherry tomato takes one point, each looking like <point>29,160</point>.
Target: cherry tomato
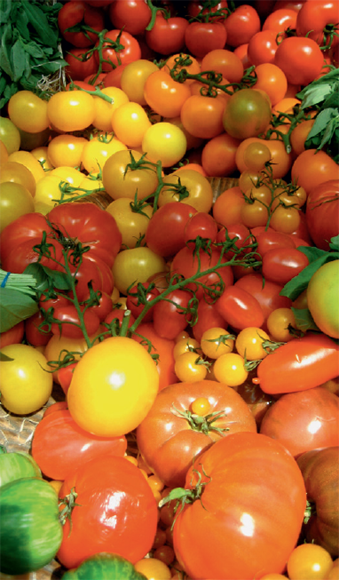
<point>300,58</point>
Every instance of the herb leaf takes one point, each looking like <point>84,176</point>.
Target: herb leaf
<point>15,306</point>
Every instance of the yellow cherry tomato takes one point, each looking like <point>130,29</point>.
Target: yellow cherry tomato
<point>216,341</point>
<point>15,201</point>
<point>164,142</point>
<point>104,110</point>
<point>230,369</point>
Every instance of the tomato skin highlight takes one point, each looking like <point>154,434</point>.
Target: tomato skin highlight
<point>299,365</point>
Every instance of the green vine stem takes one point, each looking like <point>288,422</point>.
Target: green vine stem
<point>202,424</point>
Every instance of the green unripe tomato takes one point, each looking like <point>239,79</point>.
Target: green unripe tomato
<point>323,298</point>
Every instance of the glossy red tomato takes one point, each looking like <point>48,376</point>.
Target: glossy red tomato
<point>262,47</point>
<point>120,47</point>
<point>267,293</point>
<point>242,24</point>
<point>35,335</point>
<point>312,168</point>
<point>239,308</point>
<point>172,435</point>
<point>322,213</point>
<point>131,15</point>
<point>172,315</point>
<point>300,58</point>
<point>170,217</point>
<point>78,12</point>
<point>319,21</point>
<point>68,322</point>
<point>207,317</point>
<point>167,36</point>
<point>200,224</point>
<point>280,265</point>
<point>304,420</point>
<point>60,446</point>
<point>115,512</point>
<point>222,522</point>
<point>136,304</point>
<point>12,336</point>
<point>80,65</point>
<point>202,37</point>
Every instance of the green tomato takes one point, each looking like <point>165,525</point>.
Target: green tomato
<point>9,135</point>
<point>106,567</point>
<point>30,531</point>
<point>15,201</point>
<point>136,265</point>
<point>17,465</point>
<point>322,298</point>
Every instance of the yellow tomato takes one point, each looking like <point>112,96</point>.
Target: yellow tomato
<point>28,160</point>
<point>41,154</point>
<point>133,79</point>
<point>18,173</point>
<point>164,142</point>
<point>136,265</point>
<point>199,189</point>
<point>15,201</point>
<point>131,224</point>
<point>130,123</point>
<point>113,387</point>
<point>104,110</point>
<point>98,150</point>
<point>66,150</point>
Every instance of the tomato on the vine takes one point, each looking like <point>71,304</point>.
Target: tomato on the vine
<point>119,47</point>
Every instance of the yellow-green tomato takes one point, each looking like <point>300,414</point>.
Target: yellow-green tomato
<point>136,265</point>
<point>322,298</point>
<point>9,135</point>
<point>113,387</point>
<point>25,383</point>
<point>15,201</point>
<point>131,224</point>
<point>164,142</point>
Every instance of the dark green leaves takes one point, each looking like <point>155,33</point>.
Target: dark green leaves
<point>15,307</point>
<point>29,48</point>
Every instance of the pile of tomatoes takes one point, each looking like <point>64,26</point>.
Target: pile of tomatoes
<point>181,330</point>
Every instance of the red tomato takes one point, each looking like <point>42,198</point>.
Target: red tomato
<point>225,62</point>
<point>240,237</point>
<point>262,47</point>
<point>239,308</point>
<point>60,446</point>
<point>313,167</point>
<point>170,217</point>
<point>80,65</point>
<point>63,377</point>
<point>202,37</point>
<point>167,35</point>
<point>270,239</point>
<point>242,24</point>
<point>299,365</point>
<point>223,521</point>
<point>131,15</point>
<point>12,336</point>
<point>68,322</point>
<point>136,305</point>
<point>171,436</point>
<point>319,21</point>
<point>110,490</point>
<point>300,58</point>
<point>280,265</point>
<point>34,335</point>
<point>196,7</point>
<point>280,20</point>
<point>304,420</point>
<point>218,155</point>
<point>322,213</point>
<point>200,224</point>
<point>170,316</point>
<point>267,293</point>
<point>207,317</point>
<point>77,12</point>
<point>162,348</point>
<point>120,47</point>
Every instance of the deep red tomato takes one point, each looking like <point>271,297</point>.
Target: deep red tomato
<point>80,65</point>
<point>171,435</point>
<point>207,317</point>
<point>170,316</point>
<point>322,213</point>
<point>73,13</point>
<point>280,265</point>
<point>136,305</point>
<point>304,420</point>
<point>67,318</point>
<point>34,335</point>
<point>12,336</point>
<point>202,37</point>
<point>262,47</point>
<point>266,292</point>
<point>170,217</point>
<point>115,512</point>
<point>188,263</point>
<point>196,7</point>
<point>120,47</point>
<point>104,307</point>
<point>60,446</point>
<point>224,521</point>
<point>167,36</point>
<point>320,469</point>
<point>269,239</point>
<point>95,271</point>
<point>280,20</point>
<point>300,58</point>
<point>241,25</point>
<point>319,21</point>
<point>299,365</point>
<point>131,15</point>
<point>117,315</point>
<point>239,308</point>
<point>201,224</point>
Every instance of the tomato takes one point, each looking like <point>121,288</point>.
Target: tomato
<point>71,110</point>
<point>303,420</point>
<point>31,532</point>
<point>153,568</point>
<point>202,116</point>
<point>200,224</point>
<point>319,21</point>
<point>272,80</point>
<point>280,265</point>
<point>188,262</point>
<point>262,47</point>
<point>16,465</point>
<point>242,24</point>
<point>123,177</point>
<point>193,189</point>
<point>98,150</point>
<point>218,155</point>
<point>205,533</point>
<point>119,47</point>
<point>106,488</point>
<point>226,209</point>
<point>320,472</point>
<point>239,308</point>
<point>207,317</point>
<point>33,335</point>
<point>105,563</point>
<point>172,315</point>
<point>133,15</point>
<point>66,150</point>
<point>167,36</point>
<point>170,217</point>
<point>68,322</point>
<point>281,325</point>
<point>321,168</point>
<point>249,343</point>
<point>321,213</point>
<point>280,21</point>
<point>230,369</point>
<point>136,265</point>
<point>196,7</point>
<point>247,114</point>
<point>164,142</point>
<point>164,95</point>
<point>12,336</point>
<point>9,135</point>
<point>120,410</point>
<point>159,445</point>
<point>15,201</point>
<point>135,75</point>
<point>309,561</point>
<point>202,37</point>
<point>16,172</point>
<point>56,349</point>
<point>132,224</point>
<point>25,384</point>
<point>322,294</point>
<point>80,66</point>
<point>281,160</point>
<point>28,111</point>
<point>136,305</point>
<point>300,58</point>
<point>225,62</point>
<point>60,446</point>
<point>267,293</point>
<point>76,12</point>
<point>216,341</point>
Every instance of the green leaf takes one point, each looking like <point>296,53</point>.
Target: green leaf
<point>315,96</point>
<point>299,283</point>
<point>18,58</point>
<point>5,11</point>
<point>304,320</point>
<point>47,278</point>
<point>15,306</point>
<point>22,25</point>
<point>4,357</point>
<point>39,22</point>
<point>334,243</point>
<point>6,40</point>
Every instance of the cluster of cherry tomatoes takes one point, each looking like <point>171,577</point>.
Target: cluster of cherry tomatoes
<point>172,213</point>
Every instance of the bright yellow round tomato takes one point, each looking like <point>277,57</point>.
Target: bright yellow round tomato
<point>130,123</point>
<point>41,154</point>
<point>58,346</point>
<point>25,383</point>
<point>104,110</point>
<point>15,201</point>
<point>131,224</point>
<point>3,152</point>
<point>153,569</point>
<point>309,562</point>
<point>28,160</point>
<point>47,191</point>
<point>18,173</point>
<point>191,182</point>
<point>133,79</point>
<point>71,110</point>
<point>164,142</point>
<point>66,150</point>
<point>113,387</point>
<point>28,111</point>
<point>230,369</point>
<point>136,265</point>
<point>9,135</point>
<point>216,341</point>
<point>279,323</point>
<point>189,366</point>
<point>249,343</point>
<point>98,150</point>
<point>121,179</point>
<point>186,344</point>
<point>70,174</point>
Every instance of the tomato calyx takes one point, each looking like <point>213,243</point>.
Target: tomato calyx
<point>203,424</point>
<point>69,504</point>
<point>310,511</point>
<point>268,346</point>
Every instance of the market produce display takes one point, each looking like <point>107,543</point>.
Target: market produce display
<point>169,290</point>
